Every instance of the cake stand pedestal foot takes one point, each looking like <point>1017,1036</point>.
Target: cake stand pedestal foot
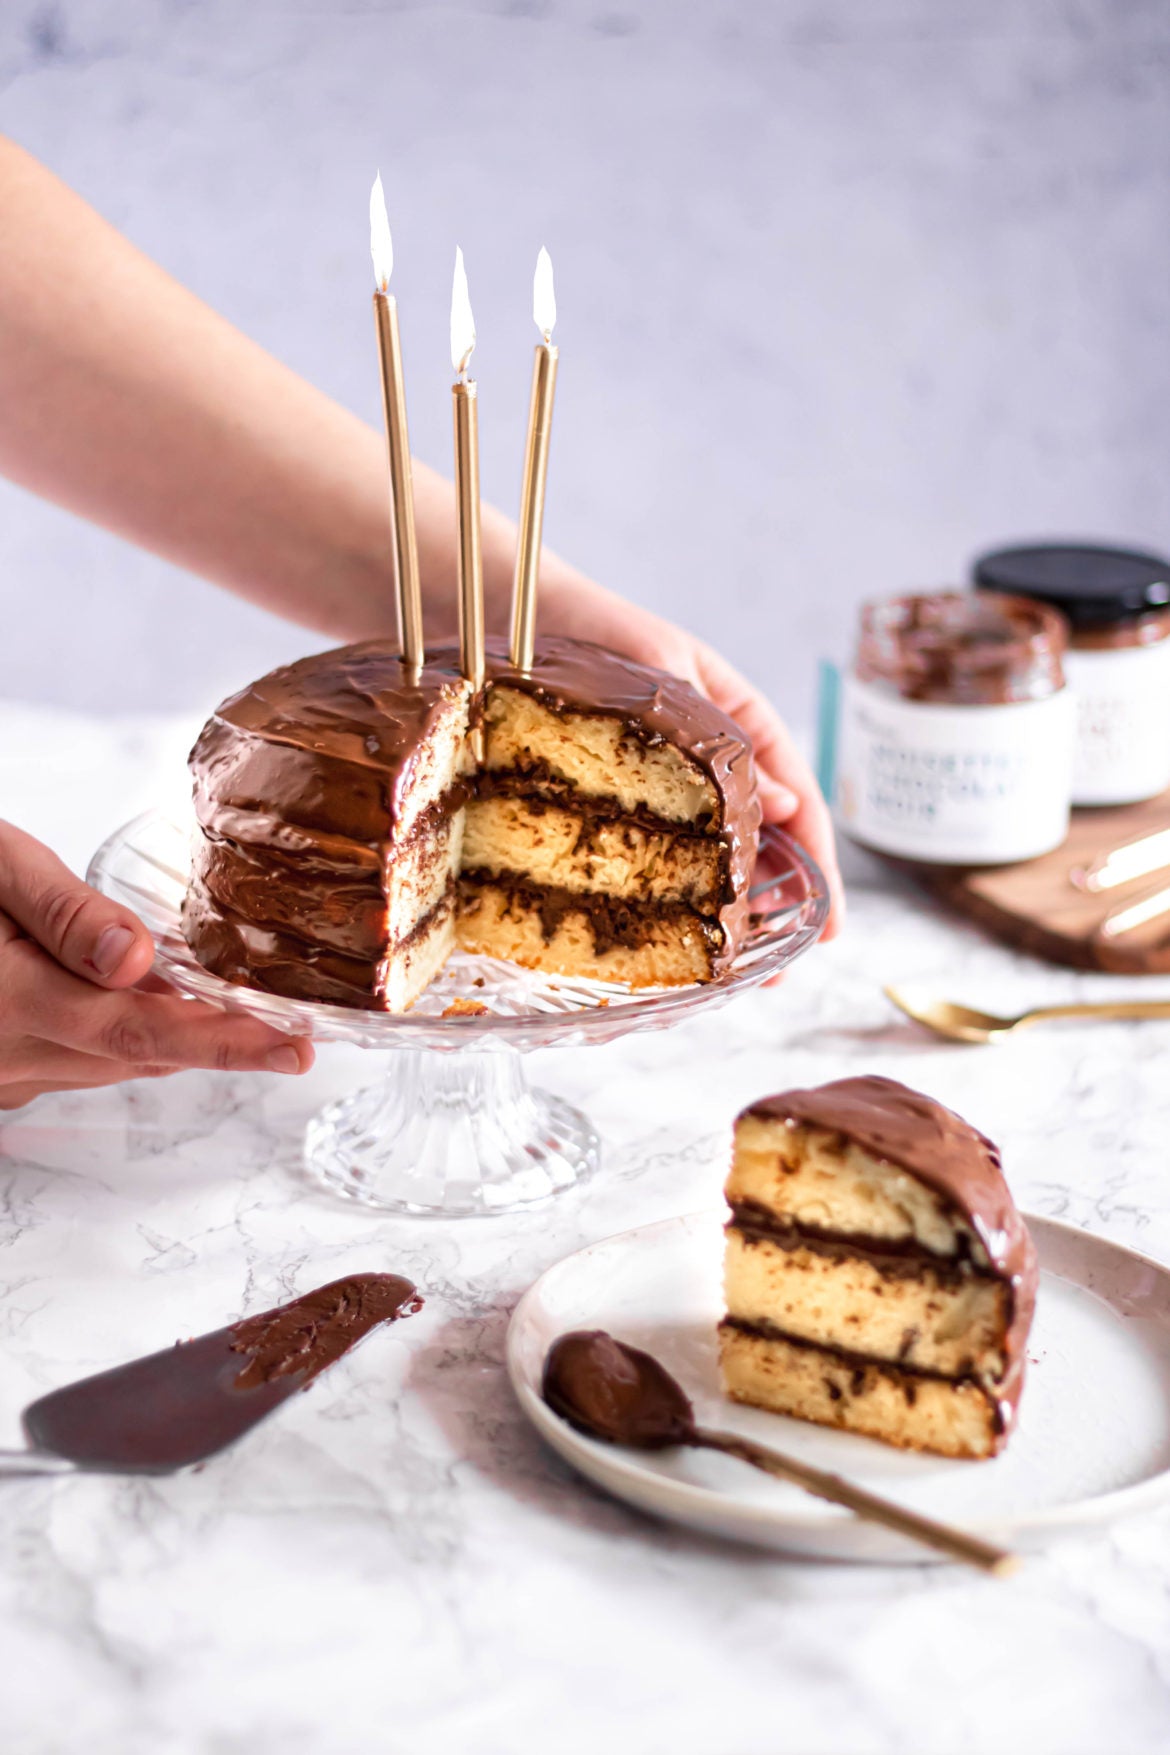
<point>446,1135</point>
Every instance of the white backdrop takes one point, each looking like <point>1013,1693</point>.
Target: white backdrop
<point>847,290</point>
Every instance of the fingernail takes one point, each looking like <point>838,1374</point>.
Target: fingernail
<point>284,1060</point>
<point>111,949</point>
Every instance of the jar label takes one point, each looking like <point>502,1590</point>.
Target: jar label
<point>954,785</point>
<point>1123,723</point>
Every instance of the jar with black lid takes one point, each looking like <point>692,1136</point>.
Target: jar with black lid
<point>1117,604</point>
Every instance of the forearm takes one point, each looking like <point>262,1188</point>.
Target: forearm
<point>125,399</point>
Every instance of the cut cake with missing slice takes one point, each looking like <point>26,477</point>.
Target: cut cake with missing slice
<point>878,1276</point>
<point>349,837</point>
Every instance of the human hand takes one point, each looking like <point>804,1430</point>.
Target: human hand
<point>72,1012</point>
<point>575,606</point>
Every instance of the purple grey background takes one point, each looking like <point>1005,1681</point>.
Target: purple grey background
<point>846,291</point>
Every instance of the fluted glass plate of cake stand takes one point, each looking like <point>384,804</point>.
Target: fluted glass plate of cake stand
<point>452,1126</point>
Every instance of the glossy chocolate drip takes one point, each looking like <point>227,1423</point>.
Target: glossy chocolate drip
<point>281,962</point>
<point>911,1131</point>
<point>303,779</point>
<point>616,1393</point>
<point>330,743</point>
<point>305,1337</point>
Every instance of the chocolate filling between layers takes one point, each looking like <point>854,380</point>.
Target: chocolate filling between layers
<point>612,920</point>
<point>904,1259</point>
<point>1000,1399</point>
<point>538,784</point>
<point>575,677</point>
<point>593,813</point>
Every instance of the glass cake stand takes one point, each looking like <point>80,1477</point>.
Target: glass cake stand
<point>453,1127</point>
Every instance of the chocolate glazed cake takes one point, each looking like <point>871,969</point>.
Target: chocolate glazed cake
<point>878,1276</point>
<point>349,841</point>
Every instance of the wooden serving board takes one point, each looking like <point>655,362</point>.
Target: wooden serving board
<point>1037,908</point>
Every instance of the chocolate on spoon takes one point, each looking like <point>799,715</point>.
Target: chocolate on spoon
<point>622,1395</point>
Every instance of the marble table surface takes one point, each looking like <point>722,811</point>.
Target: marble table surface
<point>394,1560</point>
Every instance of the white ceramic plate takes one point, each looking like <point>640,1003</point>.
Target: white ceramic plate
<point>1092,1442</point>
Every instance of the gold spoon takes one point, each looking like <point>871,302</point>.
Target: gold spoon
<point>622,1395</point>
<point>962,1023</point>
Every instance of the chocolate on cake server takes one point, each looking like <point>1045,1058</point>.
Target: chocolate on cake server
<point>178,1407</point>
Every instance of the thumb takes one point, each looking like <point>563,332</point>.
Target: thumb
<point>81,930</point>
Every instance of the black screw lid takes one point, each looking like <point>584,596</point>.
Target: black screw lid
<point>1093,584</point>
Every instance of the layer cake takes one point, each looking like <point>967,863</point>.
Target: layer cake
<point>348,840</point>
<point>877,1274</point>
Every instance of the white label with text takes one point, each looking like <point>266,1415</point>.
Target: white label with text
<point>1123,723</point>
<point>954,785</point>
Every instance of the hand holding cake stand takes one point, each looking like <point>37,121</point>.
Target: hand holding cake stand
<point>453,1127</point>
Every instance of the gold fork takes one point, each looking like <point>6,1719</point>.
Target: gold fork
<point>963,1023</point>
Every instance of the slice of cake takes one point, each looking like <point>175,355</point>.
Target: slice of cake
<point>613,830</point>
<point>877,1274</point>
<point>348,839</point>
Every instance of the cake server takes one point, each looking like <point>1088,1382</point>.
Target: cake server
<point>622,1395</point>
<point>963,1023</point>
<point>176,1408</point>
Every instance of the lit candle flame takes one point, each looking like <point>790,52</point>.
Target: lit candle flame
<point>462,320</point>
<point>544,298</point>
<point>381,243</point>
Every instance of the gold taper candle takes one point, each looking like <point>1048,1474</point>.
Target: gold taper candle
<point>405,549</point>
<point>540,408</point>
<point>465,402</point>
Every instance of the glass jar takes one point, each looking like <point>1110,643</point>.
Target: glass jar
<point>956,730</point>
<point>1117,603</point>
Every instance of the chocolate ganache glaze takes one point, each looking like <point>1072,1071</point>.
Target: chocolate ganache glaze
<point>305,1337</point>
<point>302,779</point>
<point>904,1128</point>
<point>962,648</point>
<point>614,1392</point>
<point>328,745</point>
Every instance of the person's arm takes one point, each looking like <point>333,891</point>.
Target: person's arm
<point>127,400</point>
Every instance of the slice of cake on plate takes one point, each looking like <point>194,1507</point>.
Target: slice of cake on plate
<point>877,1274</point>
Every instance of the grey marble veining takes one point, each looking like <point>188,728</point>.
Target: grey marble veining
<point>395,1561</point>
<point>847,291</point>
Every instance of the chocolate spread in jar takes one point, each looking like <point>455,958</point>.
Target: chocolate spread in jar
<point>959,648</point>
<point>955,737</point>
